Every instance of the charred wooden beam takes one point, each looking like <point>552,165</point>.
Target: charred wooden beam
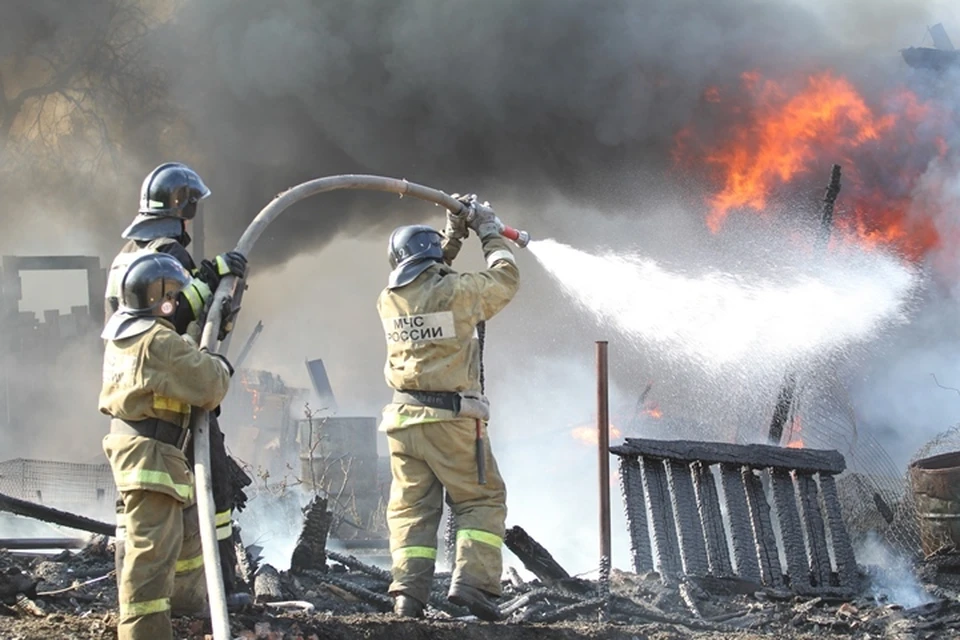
<point>788,388</point>
<point>764,540</point>
<point>758,456</point>
<point>266,585</point>
<point>817,554</point>
<point>380,601</point>
<point>534,556</point>
<point>353,563</point>
<point>791,532</point>
<point>711,518</point>
<point>310,552</point>
<point>55,516</point>
<point>693,549</point>
<point>741,536</point>
<point>16,544</point>
<point>666,547</point>
<point>635,504</point>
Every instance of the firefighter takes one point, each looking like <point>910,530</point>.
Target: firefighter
<point>152,375</point>
<point>171,195</point>
<point>430,315</point>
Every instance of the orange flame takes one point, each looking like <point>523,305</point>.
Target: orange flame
<point>785,135</point>
<point>795,439</point>
<point>588,435</point>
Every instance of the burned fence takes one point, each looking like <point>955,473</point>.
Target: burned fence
<point>701,508</point>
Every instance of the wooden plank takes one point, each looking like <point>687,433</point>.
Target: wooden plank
<point>693,550</point>
<point>758,456</point>
<point>635,504</point>
<point>666,550</point>
<point>711,518</point>
<point>763,538</point>
<point>842,548</point>
<point>817,554</point>
<point>791,531</point>
<point>735,496</point>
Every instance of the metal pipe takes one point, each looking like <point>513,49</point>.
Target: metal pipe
<point>603,451</point>
<point>229,292</point>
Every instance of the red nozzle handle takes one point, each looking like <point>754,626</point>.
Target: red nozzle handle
<point>520,238</point>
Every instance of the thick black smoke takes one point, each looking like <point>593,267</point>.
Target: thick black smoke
<point>544,96</point>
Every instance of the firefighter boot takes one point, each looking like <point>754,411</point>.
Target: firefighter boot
<point>478,602</point>
<point>407,606</point>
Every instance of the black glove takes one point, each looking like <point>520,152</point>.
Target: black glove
<point>207,273</point>
<point>226,320</point>
<point>231,262</point>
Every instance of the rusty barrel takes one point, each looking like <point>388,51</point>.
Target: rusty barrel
<point>936,491</point>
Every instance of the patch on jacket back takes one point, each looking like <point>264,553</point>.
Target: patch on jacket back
<point>119,369</point>
<point>425,327</point>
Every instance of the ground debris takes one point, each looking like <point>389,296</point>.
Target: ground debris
<point>349,599</point>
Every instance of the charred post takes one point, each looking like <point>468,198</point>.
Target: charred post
<point>666,548</point>
<point>266,585</point>
<point>535,558</point>
<point>711,518</point>
<point>781,412</point>
<point>310,552</point>
<point>635,504</point>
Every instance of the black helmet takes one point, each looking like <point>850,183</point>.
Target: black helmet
<point>148,290</point>
<point>172,190</point>
<point>412,249</point>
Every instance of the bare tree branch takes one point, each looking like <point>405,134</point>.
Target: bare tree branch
<point>937,382</point>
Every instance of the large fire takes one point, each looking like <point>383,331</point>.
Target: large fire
<point>780,134</point>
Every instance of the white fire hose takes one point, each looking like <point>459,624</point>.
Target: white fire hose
<point>230,292</point>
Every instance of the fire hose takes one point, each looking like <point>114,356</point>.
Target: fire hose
<point>227,296</point>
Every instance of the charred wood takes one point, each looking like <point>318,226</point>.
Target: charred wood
<point>352,562</point>
<point>55,516</point>
<point>266,585</point>
<point>758,456</point>
<point>534,556</point>
<point>310,552</point>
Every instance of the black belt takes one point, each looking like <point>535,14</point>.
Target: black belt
<point>449,400</point>
<point>161,430</point>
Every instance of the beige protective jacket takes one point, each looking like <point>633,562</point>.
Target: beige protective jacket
<point>430,329</point>
<point>157,374</point>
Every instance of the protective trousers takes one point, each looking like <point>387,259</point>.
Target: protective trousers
<point>223,502</point>
<point>160,567</point>
<point>425,459</point>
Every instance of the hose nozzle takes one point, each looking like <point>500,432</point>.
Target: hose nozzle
<point>519,238</point>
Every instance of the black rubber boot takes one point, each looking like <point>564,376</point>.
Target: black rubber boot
<point>478,602</point>
<point>408,607</point>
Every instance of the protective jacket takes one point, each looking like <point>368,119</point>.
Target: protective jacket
<point>156,375</point>
<point>430,329</point>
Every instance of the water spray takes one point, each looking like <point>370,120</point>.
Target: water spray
<point>227,300</point>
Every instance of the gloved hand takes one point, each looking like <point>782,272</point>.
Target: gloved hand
<point>231,262</point>
<point>223,360</point>
<point>226,321</point>
<point>207,273</point>
<point>456,228</point>
<point>483,220</point>
<point>193,333</point>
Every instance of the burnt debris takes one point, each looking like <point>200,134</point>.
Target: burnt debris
<point>658,478</point>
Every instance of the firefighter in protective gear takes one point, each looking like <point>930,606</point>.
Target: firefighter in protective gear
<point>171,195</point>
<point>430,314</point>
<point>151,377</point>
